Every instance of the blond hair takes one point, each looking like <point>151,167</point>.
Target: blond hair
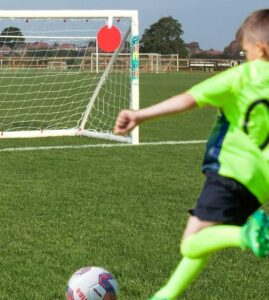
<point>255,27</point>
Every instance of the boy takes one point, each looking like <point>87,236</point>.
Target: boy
<point>236,162</point>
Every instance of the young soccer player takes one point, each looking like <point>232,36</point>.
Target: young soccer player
<point>236,162</point>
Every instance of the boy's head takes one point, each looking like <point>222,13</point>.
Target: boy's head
<point>254,35</point>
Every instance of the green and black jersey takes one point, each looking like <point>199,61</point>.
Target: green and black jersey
<point>237,146</point>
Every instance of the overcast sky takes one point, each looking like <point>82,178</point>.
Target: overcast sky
<point>212,23</point>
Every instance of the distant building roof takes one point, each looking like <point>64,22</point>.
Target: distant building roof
<point>5,49</point>
<point>213,52</point>
<point>67,46</point>
<point>39,45</point>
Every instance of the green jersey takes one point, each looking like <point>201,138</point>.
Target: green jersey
<point>238,145</point>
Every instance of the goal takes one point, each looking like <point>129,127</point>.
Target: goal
<point>49,84</point>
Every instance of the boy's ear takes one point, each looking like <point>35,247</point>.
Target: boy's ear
<point>262,50</point>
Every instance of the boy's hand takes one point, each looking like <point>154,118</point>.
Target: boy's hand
<point>126,121</point>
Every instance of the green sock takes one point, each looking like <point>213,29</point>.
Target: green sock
<point>195,250</point>
<point>183,276</point>
<point>211,239</point>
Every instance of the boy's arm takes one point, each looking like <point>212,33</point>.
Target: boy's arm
<point>128,119</point>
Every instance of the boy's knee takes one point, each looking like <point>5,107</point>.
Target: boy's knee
<point>189,246</point>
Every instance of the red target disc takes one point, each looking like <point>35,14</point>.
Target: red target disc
<point>109,38</point>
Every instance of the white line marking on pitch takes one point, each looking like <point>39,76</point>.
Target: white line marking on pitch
<point>47,148</point>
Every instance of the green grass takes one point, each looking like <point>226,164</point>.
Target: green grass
<point>121,208</point>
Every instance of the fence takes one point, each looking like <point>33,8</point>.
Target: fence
<point>157,63</point>
<point>94,62</point>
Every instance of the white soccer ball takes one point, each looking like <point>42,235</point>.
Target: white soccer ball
<point>92,283</point>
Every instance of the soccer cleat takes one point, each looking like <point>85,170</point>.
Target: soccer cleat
<point>255,233</point>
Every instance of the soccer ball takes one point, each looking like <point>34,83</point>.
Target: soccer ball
<point>92,283</point>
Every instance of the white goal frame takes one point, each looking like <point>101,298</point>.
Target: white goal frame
<point>134,70</point>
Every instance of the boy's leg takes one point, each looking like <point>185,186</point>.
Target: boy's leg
<point>197,247</point>
<point>185,273</point>
<point>188,268</point>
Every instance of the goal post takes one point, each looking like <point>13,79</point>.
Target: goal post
<point>48,83</point>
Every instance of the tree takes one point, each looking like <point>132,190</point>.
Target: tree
<point>233,50</point>
<point>11,36</point>
<point>164,37</point>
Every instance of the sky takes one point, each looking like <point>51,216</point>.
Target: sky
<point>211,23</point>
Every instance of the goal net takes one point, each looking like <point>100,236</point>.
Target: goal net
<point>49,83</point>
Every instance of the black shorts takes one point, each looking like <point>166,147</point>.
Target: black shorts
<point>224,200</point>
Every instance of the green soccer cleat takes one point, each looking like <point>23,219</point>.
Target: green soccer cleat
<point>255,233</point>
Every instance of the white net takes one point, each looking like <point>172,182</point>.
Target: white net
<point>48,78</point>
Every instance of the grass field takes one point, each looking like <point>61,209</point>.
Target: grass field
<point>123,208</point>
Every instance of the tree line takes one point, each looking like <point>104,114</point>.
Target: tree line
<point>163,37</point>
